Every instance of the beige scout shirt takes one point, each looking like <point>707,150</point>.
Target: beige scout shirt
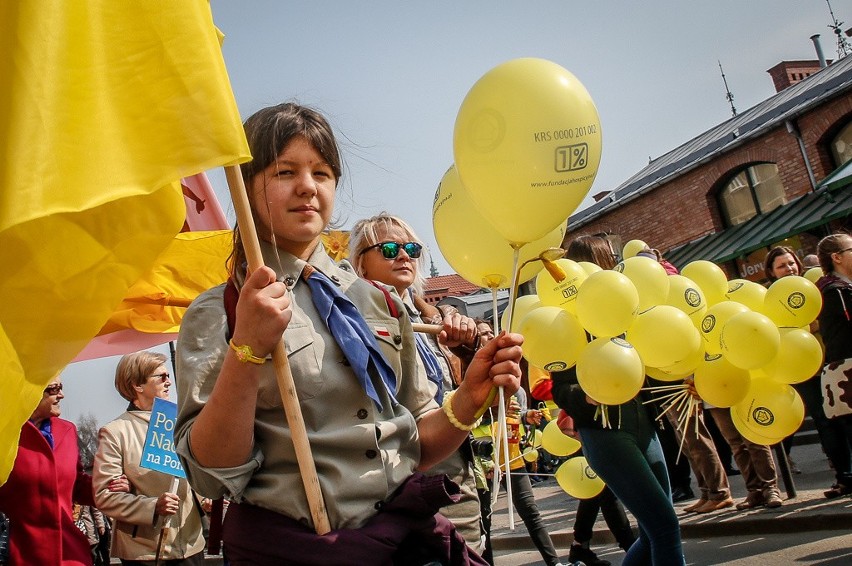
<point>361,455</point>
<point>136,529</point>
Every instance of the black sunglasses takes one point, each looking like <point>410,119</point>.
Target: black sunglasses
<point>162,377</point>
<point>391,249</point>
<point>54,389</point>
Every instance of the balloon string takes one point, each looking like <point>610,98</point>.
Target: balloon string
<point>501,418</point>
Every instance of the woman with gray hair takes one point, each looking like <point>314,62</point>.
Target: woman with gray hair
<point>144,513</point>
<point>384,249</point>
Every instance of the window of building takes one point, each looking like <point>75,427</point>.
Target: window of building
<point>757,189</point>
<point>841,145</point>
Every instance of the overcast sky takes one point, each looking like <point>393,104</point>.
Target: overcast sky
<point>390,76</point>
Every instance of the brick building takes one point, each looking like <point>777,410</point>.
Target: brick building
<point>777,173</point>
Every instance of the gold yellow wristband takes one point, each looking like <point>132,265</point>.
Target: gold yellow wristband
<point>447,407</point>
<point>245,354</point>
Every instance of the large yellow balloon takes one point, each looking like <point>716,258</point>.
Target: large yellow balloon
<point>799,357</point>
<point>813,274</point>
<point>681,369</point>
<point>770,412</point>
<point>663,335</point>
<point>632,248</point>
<point>527,144</point>
<point>578,479</point>
<point>553,338</point>
<point>523,306</point>
<point>709,277</point>
<point>610,371</point>
<point>556,442</point>
<point>721,383</point>
<point>713,322</point>
<point>650,279</point>
<point>589,267</point>
<point>607,303</point>
<point>686,295</point>
<point>562,294</point>
<point>747,293</point>
<point>750,340</point>
<point>472,246</point>
<point>792,301</point>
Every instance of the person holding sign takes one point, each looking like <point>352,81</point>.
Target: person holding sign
<point>368,411</point>
<point>153,522</point>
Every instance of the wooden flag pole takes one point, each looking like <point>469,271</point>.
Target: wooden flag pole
<point>286,386</point>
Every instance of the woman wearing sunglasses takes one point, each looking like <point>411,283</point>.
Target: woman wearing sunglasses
<point>141,514</point>
<point>386,250</point>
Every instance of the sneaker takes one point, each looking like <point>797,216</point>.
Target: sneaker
<point>752,500</point>
<point>837,490</point>
<point>586,556</point>
<point>772,498</point>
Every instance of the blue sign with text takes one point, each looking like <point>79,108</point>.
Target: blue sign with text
<point>159,451</point>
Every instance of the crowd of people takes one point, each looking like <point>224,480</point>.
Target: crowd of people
<point>390,414</point>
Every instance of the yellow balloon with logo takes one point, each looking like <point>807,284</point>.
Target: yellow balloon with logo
<point>747,293</point>
<point>523,306</point>
<point>556,443</point>
<point>589,267</point>
<point>663,335</point>
<point>687,296</point>
<point>578,479</point>
<point>792,301</point>
<point>610,371</point>
<point>472,246</point>
<point>527,144</point>
<point>562,294</point>
<point>813,274</point>
<point>713,322</point>
<point>607,303</point>
<point>632,248</point>
<point>553,339</point>
<point>799,357</point>
<point>709,277</point>
<point>769,413</point>
<point>650,279</point>
<point>678,370</point>
<point>750,340</point>
<point>721,383</point>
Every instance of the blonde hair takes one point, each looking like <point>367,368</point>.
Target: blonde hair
<point>134,369</point>
<point>365,234</point>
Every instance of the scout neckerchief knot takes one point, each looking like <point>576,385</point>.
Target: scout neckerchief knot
<point>352,334</point>
<point>433,368</point>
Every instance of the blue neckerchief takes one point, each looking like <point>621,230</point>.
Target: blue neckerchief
<point>46,431</point>
<point>433,368</point>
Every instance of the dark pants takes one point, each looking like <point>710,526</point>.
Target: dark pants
<point>834,434</point>
<point>485,523</point>
<point>630,461</point>
<point>614,515</point>
<point>524,502</point>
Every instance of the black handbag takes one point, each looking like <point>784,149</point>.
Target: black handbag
<point>4,539</point>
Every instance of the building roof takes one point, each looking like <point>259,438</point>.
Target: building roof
<point>453,285</point>
<point>793,101</point>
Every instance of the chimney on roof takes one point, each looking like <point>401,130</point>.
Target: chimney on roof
<point>818,48</point>
<point>788,73</point>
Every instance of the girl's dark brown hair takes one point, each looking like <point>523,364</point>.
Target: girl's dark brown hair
<point>773,254</point>
<point>594,249</point>
<point>268,132</point>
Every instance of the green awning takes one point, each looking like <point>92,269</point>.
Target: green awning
<point>806,212</point>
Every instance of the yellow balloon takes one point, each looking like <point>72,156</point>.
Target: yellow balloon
<point>557,443</point>
<point>562,294</point>
<point>537,436</point>
<point>715,318</point>
<point>750,340</point>
<point>792,301</point>
<point>650,279</point>
<point>530,455</point>
<point>523,306</point>
<point>710,278</point>
<point>770,412</point>
<point>663,335</point>
<point>813,274</point>
<point>686,295</point>
<point>721,383</point>
<point>747,293</point>
<point>607,303</point>
<point>681,369</point>
<point>553,339</point>
<point>610,371</point>
<point>578,479</point>
<point>589,267</point>
<point>632,248</point>
<point>527,144</point>
<point>799,357</point>
<point>472,246</point>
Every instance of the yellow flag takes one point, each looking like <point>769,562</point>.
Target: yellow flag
<point>105,105</point>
